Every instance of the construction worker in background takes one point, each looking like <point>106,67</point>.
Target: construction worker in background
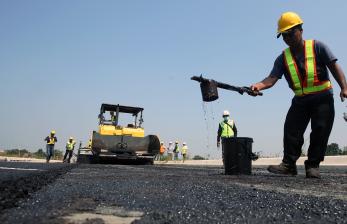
<point>113,118</point>
<point>305,65</point>
<point>51,140</point>
<point>226,129</point>
<point>161,151</point>
<point>176,150</point>
<point>170,149</point>
<point>184,151</point>
<point>70,146</point>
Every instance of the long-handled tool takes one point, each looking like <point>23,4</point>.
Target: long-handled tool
<point>210,92</point>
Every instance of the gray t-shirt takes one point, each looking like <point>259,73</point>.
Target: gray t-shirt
<point>323,57</point>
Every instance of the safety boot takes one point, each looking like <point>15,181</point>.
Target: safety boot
<point>283,168</point>
<point>312,172</point>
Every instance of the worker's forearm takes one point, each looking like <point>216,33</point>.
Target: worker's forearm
<point>265,83</point>
<point>338,74</point>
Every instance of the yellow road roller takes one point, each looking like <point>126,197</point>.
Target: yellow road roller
<point>120,137</point>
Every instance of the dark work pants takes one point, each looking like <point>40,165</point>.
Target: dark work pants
<point>320,111</point>
<point>68,152</point>
<point>49,151</point>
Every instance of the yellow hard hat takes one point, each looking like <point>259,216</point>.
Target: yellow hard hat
<point>288,20</point>
<point>53,132</point>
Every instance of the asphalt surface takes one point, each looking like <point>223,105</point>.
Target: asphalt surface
<point>19,179</point>
<point>179,194</point>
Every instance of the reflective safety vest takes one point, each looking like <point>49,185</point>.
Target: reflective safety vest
<point>51,140</point>
<point>310,83</point>
<point>176,149</point>
<point>227,129</point>
<point>184,149</point>
<point>70,145</point>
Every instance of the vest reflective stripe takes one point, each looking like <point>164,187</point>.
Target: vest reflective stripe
<point>227,129</point>
<point>51,141</point>
<point>310,84</point>
<point>310,63</point>
<point>293,70</point>
<point>70,145</point>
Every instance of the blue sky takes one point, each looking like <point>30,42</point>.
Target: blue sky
<point>59,60</point>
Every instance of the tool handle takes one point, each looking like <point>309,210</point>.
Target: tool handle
<point>251,92</point>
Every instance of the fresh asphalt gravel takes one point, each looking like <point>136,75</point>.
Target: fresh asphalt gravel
<point>19,179</point>
<point>182,194</point>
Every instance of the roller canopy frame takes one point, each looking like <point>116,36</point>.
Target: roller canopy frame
<point>122,109</point>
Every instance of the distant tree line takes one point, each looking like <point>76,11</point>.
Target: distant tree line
<point>333,149</point>
<point>198,157</point>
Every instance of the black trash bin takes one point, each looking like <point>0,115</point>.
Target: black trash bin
<point>237,155</point>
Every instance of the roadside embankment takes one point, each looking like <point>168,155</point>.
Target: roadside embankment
<point>21,159</point>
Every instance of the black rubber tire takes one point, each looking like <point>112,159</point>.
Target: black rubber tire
<point>147,162</point>
<point>154,144</point>
<point>83,159</point>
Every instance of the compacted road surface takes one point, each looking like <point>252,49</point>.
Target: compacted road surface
<point>172,194</point>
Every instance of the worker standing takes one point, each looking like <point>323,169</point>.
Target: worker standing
<point>170,149</point>
<point>176,150</point>
<point>226,129</point>
<point>113,118</point>
<point>305,65</point>
<point>51,140</point>
<point>70,146</point>
<point>184,151</point>
<point>161,151</point>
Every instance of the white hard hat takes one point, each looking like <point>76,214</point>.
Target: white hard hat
<point>226,113</point>
<point>184,143</point>
<point>170,142</point>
